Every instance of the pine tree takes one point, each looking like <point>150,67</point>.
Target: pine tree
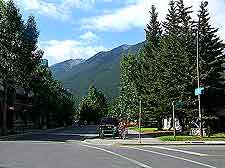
<point>171,25</point>
<point>185,23</point>
<point>211,60</point>
<point>153,29</point>
<point>176,54</point>
<point>149,73</point>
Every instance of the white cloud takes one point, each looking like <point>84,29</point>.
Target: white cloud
<point>57,51</point>
<point>119,20</point>
<point>89,36</point>
<point>56,10</point>
<point>135,15</point>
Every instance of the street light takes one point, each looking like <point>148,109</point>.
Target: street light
<point>174,126</point>
<point>199,99</point>
<point>139,122</point>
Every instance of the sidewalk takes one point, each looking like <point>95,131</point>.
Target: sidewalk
<point>132,139</point>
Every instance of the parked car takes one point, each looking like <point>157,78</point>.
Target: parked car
<point>108,126</point>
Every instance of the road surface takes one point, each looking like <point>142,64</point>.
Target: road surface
<point>64,149</point>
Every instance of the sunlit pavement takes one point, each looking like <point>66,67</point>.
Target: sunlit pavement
<point>63,149</point>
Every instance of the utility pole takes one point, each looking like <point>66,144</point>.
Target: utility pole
<point>174,126</point>
<point>199,98</point>
<point>139,122</point>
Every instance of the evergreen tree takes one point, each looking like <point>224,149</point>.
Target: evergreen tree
<point>211,60</point>
<point>176,55</point>
<point>150,70</point>
<point>171,25</point>
<point>153,29</point>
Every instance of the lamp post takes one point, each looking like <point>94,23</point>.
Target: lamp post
<point>139,122</point>
<point>199,98</point>
<point>174,126</point>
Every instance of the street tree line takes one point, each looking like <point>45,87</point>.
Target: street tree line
<point>20,67</point>
<point>94,106</point>
<point>165,70</point>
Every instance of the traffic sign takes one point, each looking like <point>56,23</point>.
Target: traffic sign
<point>180,104</point>
<point>199,91</point>
<point>44,62</point>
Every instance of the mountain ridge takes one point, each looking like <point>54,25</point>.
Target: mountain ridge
<point>102,70</point>
<point>65,66</point>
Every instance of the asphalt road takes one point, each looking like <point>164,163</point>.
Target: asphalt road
<point>63,149</point>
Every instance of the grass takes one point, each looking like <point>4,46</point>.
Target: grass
<point>214,137</point>
<point>143,130</point>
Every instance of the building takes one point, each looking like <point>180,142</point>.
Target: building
<point>18,107</point>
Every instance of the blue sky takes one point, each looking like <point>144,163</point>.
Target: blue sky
<point>82,28</point>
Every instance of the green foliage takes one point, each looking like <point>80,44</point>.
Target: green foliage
<point>215,137</point>
<point>165,69</point>
<point>53,105</point>
<point>94,106</point>
<point>114,108</point>
<point>211,60</point>
<point>143,129</point>
<point>19,68</point>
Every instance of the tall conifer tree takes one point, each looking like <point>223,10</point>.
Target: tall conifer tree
<point>211,60</point>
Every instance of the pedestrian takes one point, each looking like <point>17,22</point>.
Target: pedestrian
<point>125,129</point>
<point>120,127</point>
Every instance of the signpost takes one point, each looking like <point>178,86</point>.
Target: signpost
<point>174,127</point>
<point>198,75</point>
<point>139,122</point>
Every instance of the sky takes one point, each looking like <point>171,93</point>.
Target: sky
<point>71,29</point>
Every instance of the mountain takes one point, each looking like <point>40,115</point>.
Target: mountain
<point>102,70</point>
<point>65,66</point>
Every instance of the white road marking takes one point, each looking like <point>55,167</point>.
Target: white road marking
<point>121,156</point>
<point>88,143</point>
<point>172,156</point>
<point>182,151</point>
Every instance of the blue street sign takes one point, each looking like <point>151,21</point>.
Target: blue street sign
<point>44,62</point>
<point>199,91</point>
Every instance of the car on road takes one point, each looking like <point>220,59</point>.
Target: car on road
<point>108,127</point>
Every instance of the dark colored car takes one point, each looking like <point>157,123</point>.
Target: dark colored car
<point>108,126</point>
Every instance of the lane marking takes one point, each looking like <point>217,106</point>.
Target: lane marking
<point>172,156</point>
<point>88,143</point>
<point>142,165</point>
<point>182,151</point>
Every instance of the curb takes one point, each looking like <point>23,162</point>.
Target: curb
<point>27,133</point>
<point>170,144</point>
<point>157,143</point>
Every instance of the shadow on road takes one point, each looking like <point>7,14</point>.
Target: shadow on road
<point>61,135</point>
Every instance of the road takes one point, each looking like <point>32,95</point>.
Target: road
<point>64,149</point>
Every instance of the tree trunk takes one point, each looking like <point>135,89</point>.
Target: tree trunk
<point>160,124</point>
<point>4,111</point>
